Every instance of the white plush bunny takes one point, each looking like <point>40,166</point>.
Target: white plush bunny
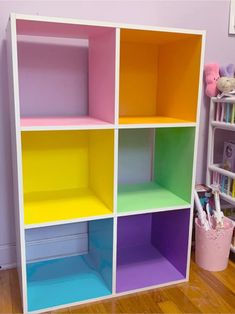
<point>226,83</point>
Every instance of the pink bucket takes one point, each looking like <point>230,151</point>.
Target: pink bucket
<point>213,246</point>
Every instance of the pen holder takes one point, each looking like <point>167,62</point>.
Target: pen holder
<point>213,246</point>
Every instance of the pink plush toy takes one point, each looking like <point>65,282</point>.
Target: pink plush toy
<point>211,76</point>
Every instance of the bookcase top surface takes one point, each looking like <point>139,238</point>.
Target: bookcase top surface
<point>38,18</point>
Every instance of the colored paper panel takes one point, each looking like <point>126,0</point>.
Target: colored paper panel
<point>143,266</point>
<point>60,121</point>
<point>151,120</point>
<point>67,174</point>
<point>170,231</point>
<point>148,251</point>
<point>174,152</point>
<point>155,81</point>
<point>137,197</point>
<point>62,281</point>
<point>41,207</point>
<point>75,278</point>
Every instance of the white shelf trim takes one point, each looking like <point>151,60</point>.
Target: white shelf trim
<point>217,168</point>
<point>228,198</point>
<point>69,221</point>
<point>230,100</point>
<point>39,18</point>
<point>157,125</point>
<point>67,127</point>
<point>223,125</point>
<point>153,210</point>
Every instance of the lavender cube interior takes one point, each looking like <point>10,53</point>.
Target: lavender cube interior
<point>152,249</point>
<point>66,70</point>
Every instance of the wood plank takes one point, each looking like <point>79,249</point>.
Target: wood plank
<point>227,277</point>
<point>203,296</point>
<point>133,304</point>
<point>5,292</point>
<point>181,300</point>
<point>169,307</point>
<point>225,293</point>
<point>15,292</point>
<point>61,311</point>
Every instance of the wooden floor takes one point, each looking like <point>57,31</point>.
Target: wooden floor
<point>205,293</point>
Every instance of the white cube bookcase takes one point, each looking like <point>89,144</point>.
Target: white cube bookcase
<point>104,141</point>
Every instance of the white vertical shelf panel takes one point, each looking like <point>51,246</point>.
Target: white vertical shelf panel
<point>196,150</point>
<point>210,141</point>
<point>16,156</point>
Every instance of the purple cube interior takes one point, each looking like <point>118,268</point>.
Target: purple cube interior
<point>152,249</point>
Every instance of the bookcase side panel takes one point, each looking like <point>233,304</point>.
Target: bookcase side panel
<point>16,156</point>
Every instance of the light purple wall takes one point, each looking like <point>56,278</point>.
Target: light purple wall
<point>211,16</point>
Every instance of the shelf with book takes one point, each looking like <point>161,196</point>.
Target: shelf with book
<point>223,114</point>
<point>221,148</point>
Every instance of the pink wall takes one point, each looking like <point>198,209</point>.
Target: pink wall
<point>211,16</point>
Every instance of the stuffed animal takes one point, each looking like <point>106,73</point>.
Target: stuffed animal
<point>226,83</point>
<point>227,71</point>
<point>211,77</point>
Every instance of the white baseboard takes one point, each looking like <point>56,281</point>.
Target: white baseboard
<point>44,249</point>
<point>50,248</point>
<point>7,256</point>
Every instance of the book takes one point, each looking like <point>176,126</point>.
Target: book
<point>229,156</point>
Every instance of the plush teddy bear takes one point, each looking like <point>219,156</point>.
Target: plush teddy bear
<point>211,77</point>
<point>226,83</point>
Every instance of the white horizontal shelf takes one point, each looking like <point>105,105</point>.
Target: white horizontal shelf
<point>68,221</point>
<point>103,127</point>
<point>68,128</point>
<point>230,100</point>
<point>153,210</point>
<point>223,125</point>
<point>63,123</point>
<point>218,169</point>
<point>227,198</point>
<point>156,125</point>
<point>39,18</point>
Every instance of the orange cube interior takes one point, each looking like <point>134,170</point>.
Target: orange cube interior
<point>159,75</point>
